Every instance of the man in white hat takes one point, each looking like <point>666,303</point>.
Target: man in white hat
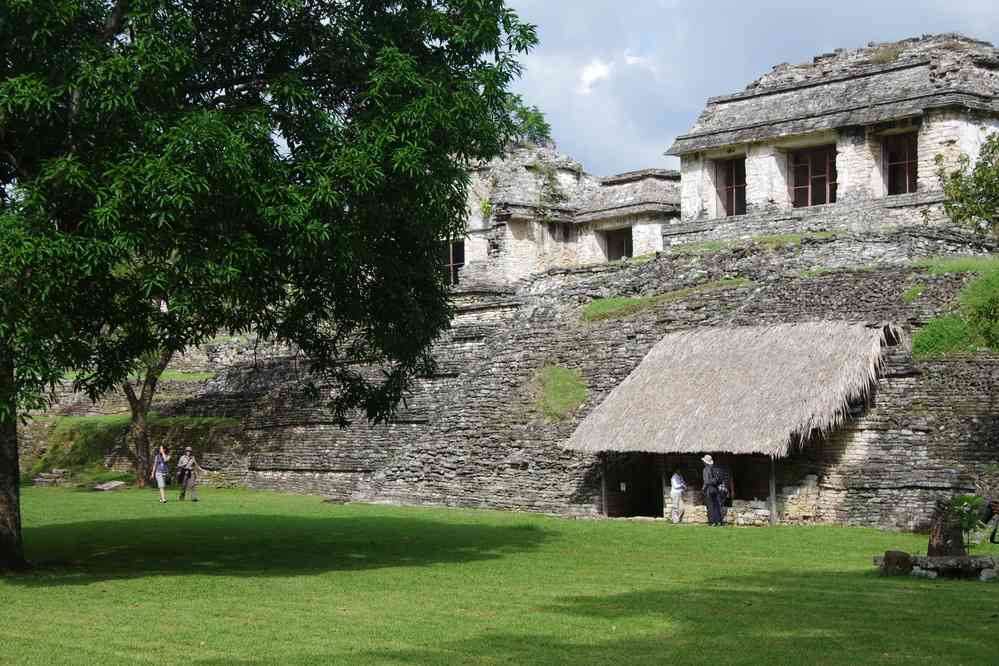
<point>712,497</point>
<point>188,470</point>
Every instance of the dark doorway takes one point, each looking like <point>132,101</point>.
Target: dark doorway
<point>618,244</point>
<point>633,485</point>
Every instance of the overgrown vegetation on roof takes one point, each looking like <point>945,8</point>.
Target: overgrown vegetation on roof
<point>950,265</point>
<point>560,391</point>
<point>616,308</point>
<point>886,54</point>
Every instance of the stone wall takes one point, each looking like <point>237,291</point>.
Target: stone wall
<point>471,436</point>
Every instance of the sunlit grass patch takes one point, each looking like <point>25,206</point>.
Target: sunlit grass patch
<point>618,307</point>
<point>949,265</point>
<point>559,391</point>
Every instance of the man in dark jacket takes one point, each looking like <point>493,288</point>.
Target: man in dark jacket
<point>712,495</point>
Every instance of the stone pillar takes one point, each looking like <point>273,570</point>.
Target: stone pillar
<point>766,179</point>
<point>858,166</point>
<point>698,199</point>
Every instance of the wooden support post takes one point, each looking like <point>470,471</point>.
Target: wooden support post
<point>603,485</point>
<point>773,491</point>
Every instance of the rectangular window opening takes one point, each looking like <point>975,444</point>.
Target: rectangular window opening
<point>813,176</point>
<point>454,259</point>
<point>900,160</point>
<point>730,176</point>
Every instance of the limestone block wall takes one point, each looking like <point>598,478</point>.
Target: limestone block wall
<point>500,453</point>
<point>766,178</point>
<point>858,166</point>
<point>471,436</point>
<point>647,237</point>
<point>931,427</point>
<point>906,211</point>
<point>698,195</point>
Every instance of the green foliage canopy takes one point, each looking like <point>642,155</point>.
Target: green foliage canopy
<point>170,168</point>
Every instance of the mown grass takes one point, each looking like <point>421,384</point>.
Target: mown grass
<point>559,391</point>
<point>245,577</point>
<point>618,307</point>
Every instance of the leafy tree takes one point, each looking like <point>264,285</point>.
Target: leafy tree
<point>530,123</point>
<point>973,190</point>
<point>972,201</point>
<point>170,168</point>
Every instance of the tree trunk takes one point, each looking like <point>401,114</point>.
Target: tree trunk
<point>138,441</point>
<point>946,537</point>
<point>11,545</point>
<point>139,404</point>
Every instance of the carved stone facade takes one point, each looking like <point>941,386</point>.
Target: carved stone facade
<point>858,127</point>
<point>536,209</point>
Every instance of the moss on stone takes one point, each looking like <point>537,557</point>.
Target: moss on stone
<point>617,308</point>
<point>769,242</point>
<point>913,293</point>
<point>560,391</point>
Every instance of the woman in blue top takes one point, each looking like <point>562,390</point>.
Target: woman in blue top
<point>160,470</point>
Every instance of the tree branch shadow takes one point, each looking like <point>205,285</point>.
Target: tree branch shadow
<point>258,545</point>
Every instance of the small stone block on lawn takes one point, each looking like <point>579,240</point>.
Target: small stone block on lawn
<point>111,485</point>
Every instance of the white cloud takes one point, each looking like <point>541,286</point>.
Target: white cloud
<point>596,70</point>
<point>636,61</point>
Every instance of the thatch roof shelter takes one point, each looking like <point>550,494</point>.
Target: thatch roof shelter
<point>742,390</point>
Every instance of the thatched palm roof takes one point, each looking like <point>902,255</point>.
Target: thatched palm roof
<point>742,390</point>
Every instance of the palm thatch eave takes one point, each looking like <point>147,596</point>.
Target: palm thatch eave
<point>740,390</point>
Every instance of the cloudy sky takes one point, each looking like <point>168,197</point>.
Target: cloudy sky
<point>619,79</point>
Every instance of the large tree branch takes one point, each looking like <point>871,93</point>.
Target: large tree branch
<point>12,160</point>
<point>113,25</point>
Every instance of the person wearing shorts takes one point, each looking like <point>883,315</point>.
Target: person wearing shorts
<point>160,470</point>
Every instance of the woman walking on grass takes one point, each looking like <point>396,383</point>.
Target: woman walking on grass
<point>160,470</point>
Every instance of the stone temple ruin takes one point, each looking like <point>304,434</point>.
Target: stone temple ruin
<point>766,297</point>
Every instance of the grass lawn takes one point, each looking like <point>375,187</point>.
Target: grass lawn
<point>248,577</point>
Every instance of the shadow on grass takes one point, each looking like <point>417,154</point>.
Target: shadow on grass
<point>258,545</point>
<point>771,617</point>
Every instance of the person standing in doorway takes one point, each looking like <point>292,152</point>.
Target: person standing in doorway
<point>712,497</point>
<point>160,470</point>
<point>676,487</point>
<point>188,471</point>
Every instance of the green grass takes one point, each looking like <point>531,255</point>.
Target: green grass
<point>559,391</point>
<point>704,247</point>
<point>80,443</point>
<point>948,265</point>
<point>769,242</point>
<point>263,578</point>
<point>913,293</point>
<point>618,307</point>
<point>944,335</point>
<point>975,322</point>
